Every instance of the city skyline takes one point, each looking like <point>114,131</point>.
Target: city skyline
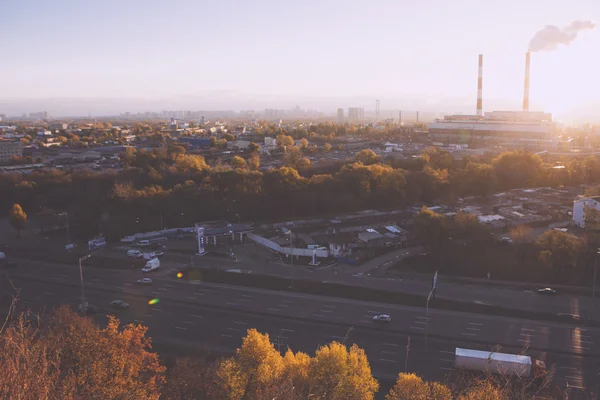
<point>108,57</point>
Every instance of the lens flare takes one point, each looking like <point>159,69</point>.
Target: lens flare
<point>154,301</point>
<point>179,275</point>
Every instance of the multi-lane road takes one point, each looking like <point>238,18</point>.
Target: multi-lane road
<point>218,316</point>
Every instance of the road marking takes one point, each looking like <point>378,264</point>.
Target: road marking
<point>283,305</point>
<point>273,309</point>
<point>468,334</point>
<point>473,329</point>
<point>421,322</point>
<point>247,295</point>
<point>120,287</point>
<point>233,329</point>
<point>416,327</point>
<point>427,318</point>
<point>569,368</point>
<point>231,304</point>
<point>288,330</point>
<point>128,284</point>
<point>156,309</point>
<point>188,322</point>
<point>391,344</point>
<point>575,378</point>
<point>147,315</point>
<point>475,323</point>
<point>199,294</point>
<point>169,285</point>
<point>528,329</point>
<point>240,322</point>
<point>447,352</point>
<point>386,360</point>
<point>191,298</point>
<point>318,315</point>
<point>197,316</point>
<point>447,369</point>
<point>287,301</point>
<point>180,327</point>
<point>523,340</point>
<point>371,311</point>
<point>388,352</point>
<point>155,293</point>
<point>224,335</point>
<point>163,289</point>
<point>365,322</point>
<point>325,311</point>
<point>327,306</point>
<point>450,361</point>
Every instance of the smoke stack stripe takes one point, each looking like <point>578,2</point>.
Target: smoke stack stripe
<point>526,91</point>
<point>480,87</point>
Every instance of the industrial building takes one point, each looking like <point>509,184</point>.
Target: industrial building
<point>10,149</point>
<point>507,125</point>
<point>579,207</point>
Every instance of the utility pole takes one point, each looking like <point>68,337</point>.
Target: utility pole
<point>83,301</point>
<point>594,281</point>
<point>292,256</point>
<point>406,359</point>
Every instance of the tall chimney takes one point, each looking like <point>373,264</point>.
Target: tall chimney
<point>480,87</point>
<point>526,92</point>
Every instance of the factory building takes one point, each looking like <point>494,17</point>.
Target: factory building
<point>509,125</point>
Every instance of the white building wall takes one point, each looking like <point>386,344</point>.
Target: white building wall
<point>579,207</point>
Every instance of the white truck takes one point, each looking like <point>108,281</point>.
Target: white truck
<point>134,253</point>
<point>151,265</point>
<point>499,363</point>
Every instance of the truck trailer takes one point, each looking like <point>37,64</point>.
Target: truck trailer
<point>499,363</point>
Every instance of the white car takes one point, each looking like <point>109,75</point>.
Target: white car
<point>382,318</point>
<point>119,304</point>
<point>144,281</point>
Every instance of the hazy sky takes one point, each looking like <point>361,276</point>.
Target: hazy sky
<point>423,49</point>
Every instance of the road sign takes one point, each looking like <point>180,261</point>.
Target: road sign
<point>435,279</point>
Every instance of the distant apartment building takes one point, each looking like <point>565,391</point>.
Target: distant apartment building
<point>579,207</point>
<point>10,149</point>
<point>2,117</point>
<point>356,114</point>
<point>274,113</point>
<point>340,114</point>
<point>58,126</point>
<point>39,115</point>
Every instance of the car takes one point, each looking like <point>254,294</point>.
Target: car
<point>382,318</point>
<point>119,304</point>
<point>144,281</point>
<point>546,291</point>
<point>507,240</point>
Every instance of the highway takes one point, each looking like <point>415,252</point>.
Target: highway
<point>218,316</point>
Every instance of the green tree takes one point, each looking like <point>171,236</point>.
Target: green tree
<point>559,249</point>
<point>430,228</point>
<point>516,169</point>
<point>18,218</point>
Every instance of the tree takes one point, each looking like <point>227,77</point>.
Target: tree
<point>339,373</point>
<point>255,369</point>
<point>327,147</point>
<point>482,390</point>
<point>469,229</point>
<point>254,162</point>
<point>191,378</point>
<point>239,163</point>
<point>558,249</point>
<point>367,157</point>
<point>303,144</point>
<point>430,228</point>
<point>293,158</point>
<point>253,148</point>
<point>412,387</point>
<point>517,169</point>
<point>285,141</point>
<point>521,234</point>
<point>18,218</point>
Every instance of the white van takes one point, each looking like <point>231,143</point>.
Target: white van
<point>144,243</point>
<point>151,265</point>
<point>134,253</point>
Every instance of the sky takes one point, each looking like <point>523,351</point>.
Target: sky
<point>233,54</point>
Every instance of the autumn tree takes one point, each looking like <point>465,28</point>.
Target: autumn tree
<point>521,234</point>
<point>285,141</point>
<point>516,169</point>
<point>254,162</point>
<point>18,218</point>
<point>327,147</point>
<point>367,157</point>
<point>303,144</point>
<point>191,378</point>
<point>469,229</point>
<point>239,163</point>
<point>412,387</point>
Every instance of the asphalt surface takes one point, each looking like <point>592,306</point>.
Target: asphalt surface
<point>218,316</point>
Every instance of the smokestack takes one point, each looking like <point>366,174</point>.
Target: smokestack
<point>526,92</point>
<point>480,87</point>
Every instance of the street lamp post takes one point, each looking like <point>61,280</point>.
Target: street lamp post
<point>81,276</point>
<point>406,359</point>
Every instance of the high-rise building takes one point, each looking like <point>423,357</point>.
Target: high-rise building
<point>340,114</point>
<point>356,114</point>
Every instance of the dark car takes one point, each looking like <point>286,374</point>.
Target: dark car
<point>546,291</point>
